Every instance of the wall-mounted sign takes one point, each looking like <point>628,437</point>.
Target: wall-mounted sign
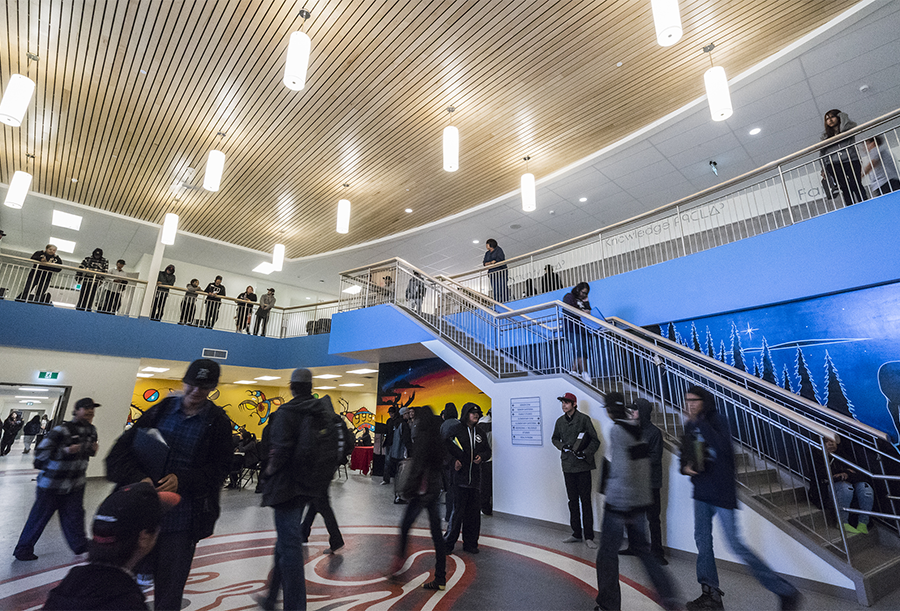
<point>48,375</point>
<point>525,421</point>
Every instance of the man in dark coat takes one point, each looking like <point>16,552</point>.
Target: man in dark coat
<point>39,277</point>
<point>468,448</point>
<point>164,280</point>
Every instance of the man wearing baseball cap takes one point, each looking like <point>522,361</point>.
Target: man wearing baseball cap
<point>63,458</point>
<point>575,436</point>
<point>198,435</point>
<point>125,528</point>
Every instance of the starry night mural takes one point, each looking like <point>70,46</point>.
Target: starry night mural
<point>840,350</point>
<point>424,382</point>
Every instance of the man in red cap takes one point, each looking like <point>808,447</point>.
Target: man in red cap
<point>575,436</point>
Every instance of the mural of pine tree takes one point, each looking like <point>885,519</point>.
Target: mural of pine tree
<point>786,380</point>
<point>710,347</point>
<point>835,395</point>
<point>737,352</point>
<point>654,329</point>
<point>807,388</point>
<point>755,368</point>
<point>722,356</point>
<point>695,338</point>
<point>672,334</point>
<point>768,367</point>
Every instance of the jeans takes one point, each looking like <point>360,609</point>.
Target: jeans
<point>71,517</point>
<point>865,498</point>
<point>173,555</point>
<point>89,289</point>
<point>159,304</point>
<point>466,518</point>
<point>289,556</point>
<point>609,594</point>
<point>322,506</point>
<point>261,318</point>
<point>38,280</point>
<point>434,523</point>
<point>706,561</point>
<point>581,513</point>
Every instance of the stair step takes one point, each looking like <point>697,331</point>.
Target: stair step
<point>760,479</point>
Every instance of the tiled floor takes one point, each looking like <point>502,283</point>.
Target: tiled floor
<point>521,566</point>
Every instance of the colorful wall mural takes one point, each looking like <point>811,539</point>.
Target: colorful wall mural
<point>841,350</point>
<point>424,382</point>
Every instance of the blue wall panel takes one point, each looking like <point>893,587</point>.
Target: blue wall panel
<point>382,326</point>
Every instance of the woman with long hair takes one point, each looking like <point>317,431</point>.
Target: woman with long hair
<point>841,162</point>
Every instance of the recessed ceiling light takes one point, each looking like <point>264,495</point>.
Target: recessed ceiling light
<point>619,65</point>
<point>308,298</point>
<point>324,387</point>
<point>353,384</point>
<point>352,290</point>
<point>145,375</point>
<point>27,397</point>
<point>64,246</point>
<point>755,131</point>
<point>267,378</point>
<point>32,389</point>
<point>265,267</point>
<point>583,199</point>
<point>66,220</point>
<point>408,210</point>
<point>327,376</point>
<point>363,370</point>
<point>155,369</point>
<point>74,180</point>
<point>29,401</point>
<point>244,382</point>
<point>143,71</point>
<point>474,241</point>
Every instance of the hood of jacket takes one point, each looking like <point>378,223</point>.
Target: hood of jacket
<point>846,125</point>
<point>467,408</point>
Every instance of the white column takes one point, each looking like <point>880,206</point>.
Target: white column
<point>155,264</point>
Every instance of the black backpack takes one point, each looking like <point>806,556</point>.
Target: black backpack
<point>321,446</point>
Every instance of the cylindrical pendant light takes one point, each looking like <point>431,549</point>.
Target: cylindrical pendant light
<point>717,93</point>
<point>451,149</point>
<point>667,19</point>
<point>16,98</point>
<point>18,189</point>
<point>215,164</point>
<point>297,61</point>
<point>343,216</point>
<point>170,227</point>
<point>278,257</point>
<point>529,198</point>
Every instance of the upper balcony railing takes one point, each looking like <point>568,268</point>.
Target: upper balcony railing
<point>854,166</point>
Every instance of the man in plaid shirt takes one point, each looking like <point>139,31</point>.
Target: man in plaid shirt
<point>63,458</point>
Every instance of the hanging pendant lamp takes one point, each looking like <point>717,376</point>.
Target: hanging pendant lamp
<point>343,216</point>
<point>667,20</point>
<point>215,165</point>
<point>170,227</point>
<point>278,257</point>
<point>296,63</point>
<point>529,197</point>
<point>451,147</point>
<point>18,189</point>
<point>16,98</point>
<point>717,93</point>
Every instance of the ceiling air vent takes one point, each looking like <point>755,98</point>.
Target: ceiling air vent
<point>212,353</point>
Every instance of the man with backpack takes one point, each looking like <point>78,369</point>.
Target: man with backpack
<point>62,457</point>
<point>305,448</point>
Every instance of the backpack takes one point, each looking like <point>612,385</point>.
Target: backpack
<point>321,446</point>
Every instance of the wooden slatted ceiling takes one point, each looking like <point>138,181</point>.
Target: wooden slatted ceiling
<point>527,78</point>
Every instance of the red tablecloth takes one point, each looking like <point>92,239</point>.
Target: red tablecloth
<point>361,459</point>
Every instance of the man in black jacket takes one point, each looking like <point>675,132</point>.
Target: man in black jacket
<point>39,277</point>
<point>469,448</point>
<point>198,434</point>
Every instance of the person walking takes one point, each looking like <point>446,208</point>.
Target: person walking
<point>30,431</point>
<point>468,448</point>
<point>62,457</point>
<point>11,427</point>
<point>708,459</point>
<point>576,438</point>
<point>198,435</point>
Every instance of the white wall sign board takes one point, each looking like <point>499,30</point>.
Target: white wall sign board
<point>525,421</point>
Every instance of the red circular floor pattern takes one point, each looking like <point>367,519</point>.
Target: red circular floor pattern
<point>507,574</point>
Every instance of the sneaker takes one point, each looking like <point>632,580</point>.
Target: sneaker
<point>626,552</point>
<point>586,377</point>
<point>792,601</point>
<point>850,529</point>
<point>710,600</point>
<point>471,550</point>
<point>862,529</point>
<point>144,580</point>
<point>590,543</point>
<point>384,483</point>
<point>572,539</point>
<point>331,550</point>
<point>25,556</point>
<point>434,585</point>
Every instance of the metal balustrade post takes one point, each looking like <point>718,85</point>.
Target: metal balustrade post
<point>787,197</point>
<point>680,230</point>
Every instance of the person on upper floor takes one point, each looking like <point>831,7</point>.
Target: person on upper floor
<point>215,290</point>
<point>164,280</point>
<point>39,277</point>
<point>189,303</point>
<point>843,170</point>
<point>497,274</point>
<point>578,336</point>
<point>113,299</point>
<point>880,170</point>
<point>90,283</point>
<point>266,303</point>
<point>245,310</point>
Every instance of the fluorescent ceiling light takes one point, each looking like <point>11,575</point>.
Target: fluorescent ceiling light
<point>145,375</point>
<point>353,384</point>
<point>324,387</point>
<point>215,164</point>
<point>363,370</point>
<point>352,290</point>
<point>64,219</point>
<point>27,397</point>
<point>245,382</point>
<point>327,376</point>
<point>33,389</point>
<point>30,401</point>
<point>265,267</point>
<point>155,369</point>
<point>170,228</point>
<point>63,245</point>
<point>16,99</point>
<point>278,257</point>
<point>18,189</point>
<point>267,378</point>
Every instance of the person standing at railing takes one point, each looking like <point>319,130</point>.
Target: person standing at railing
<point>708,458</point>
<point>880,170</point>
<point>214,291</point>
<point>575,331</point>
<point>497,274</point>
<point>842,167</point>
<point>113,298</point>
<point>90,283</point>
<point>39,277</point>
<point>415,292</point>
<point>164,280</point>
<point>848,483</point>
<point>189,303</point>
<point>266,303</point>
<point>550,280</point>
<point>245,310</point>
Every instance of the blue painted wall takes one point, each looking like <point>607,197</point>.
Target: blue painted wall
<point>382,326</point>
<point>27,325</point>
